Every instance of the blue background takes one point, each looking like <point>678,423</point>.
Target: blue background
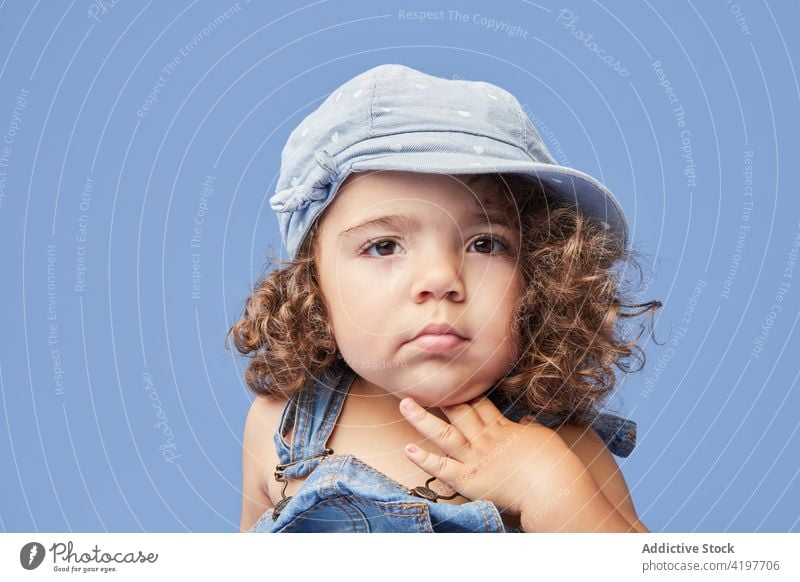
<point>716,404</point>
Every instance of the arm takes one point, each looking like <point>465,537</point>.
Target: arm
<point>597,499</point>
<point>257,435</point>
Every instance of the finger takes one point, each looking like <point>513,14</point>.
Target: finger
<point>466,419</point>
<point>444,435</point>
<point>445,469</point>
<point>486,409</point>
<point>474,417</point>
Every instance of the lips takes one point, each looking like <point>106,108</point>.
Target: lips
<point>439,329</point>
<point>438,337</point>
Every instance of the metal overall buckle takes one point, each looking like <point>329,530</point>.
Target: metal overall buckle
<point>280,476</point>
<point>427,493</point>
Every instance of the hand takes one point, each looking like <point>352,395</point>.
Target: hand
<point>514,465</point>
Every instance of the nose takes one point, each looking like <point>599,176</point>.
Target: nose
<point>438,274</point>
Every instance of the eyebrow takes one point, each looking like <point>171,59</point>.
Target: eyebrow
<point>486,215</point>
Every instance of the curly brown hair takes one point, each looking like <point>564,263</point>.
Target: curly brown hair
<point>570,325</point>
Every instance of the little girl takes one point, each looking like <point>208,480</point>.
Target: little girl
<point>434,356</point>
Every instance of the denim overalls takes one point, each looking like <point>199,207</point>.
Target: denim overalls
<point>344,494</point>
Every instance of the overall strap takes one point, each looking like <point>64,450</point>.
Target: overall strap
<point>309,417</point>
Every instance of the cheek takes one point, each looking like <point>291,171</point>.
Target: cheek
<point>497,301</point>
<point>357,304</point>
<point>359,299</point>
<point>498,292</point>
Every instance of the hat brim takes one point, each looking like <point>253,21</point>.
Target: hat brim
<point>568,184</point>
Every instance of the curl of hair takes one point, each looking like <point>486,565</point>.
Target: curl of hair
<point>285,327</point>
<point>571,326</point>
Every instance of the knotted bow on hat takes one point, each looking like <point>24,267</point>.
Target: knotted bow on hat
<point>313,189</point>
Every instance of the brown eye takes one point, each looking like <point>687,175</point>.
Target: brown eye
<point>384,248</point>
<point>486,244</point>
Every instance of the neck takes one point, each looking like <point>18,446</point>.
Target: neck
<point>372,395</point>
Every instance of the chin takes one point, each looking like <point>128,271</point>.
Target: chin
<point>442,391</point>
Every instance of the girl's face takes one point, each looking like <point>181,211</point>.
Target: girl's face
<point>399,251</point>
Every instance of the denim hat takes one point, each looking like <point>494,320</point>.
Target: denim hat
<point>393,117</point>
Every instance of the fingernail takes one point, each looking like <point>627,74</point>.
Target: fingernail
<point>411,448</point>
<point>409,404</point>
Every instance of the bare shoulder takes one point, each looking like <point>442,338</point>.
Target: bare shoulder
<point>258,457</point>
<point>593,452</point>
<point>264,414</point>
